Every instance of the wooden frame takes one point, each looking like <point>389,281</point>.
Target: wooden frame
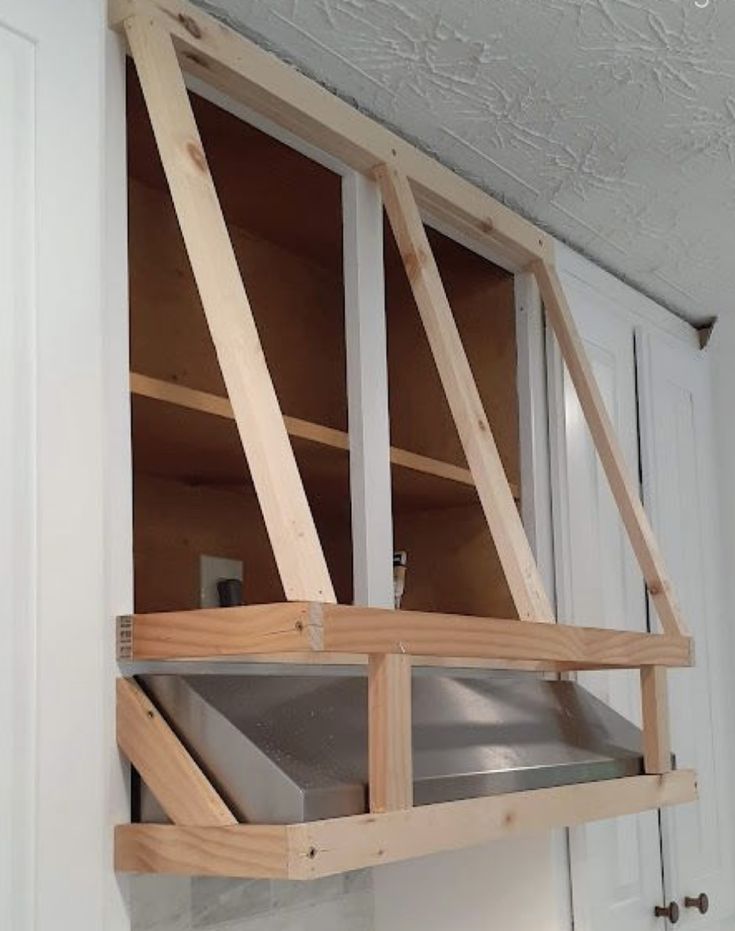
<point>298,628</point>
<point>166,36</point>
<point>322,848</point>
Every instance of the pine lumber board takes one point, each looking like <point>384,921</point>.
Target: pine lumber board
<point>389,732</point>
<point>244,850</point>
<point>655,708</point>
<point>165,765</point>
<point>301,628</point>
<point>323,848</point>
<point>205,402</point>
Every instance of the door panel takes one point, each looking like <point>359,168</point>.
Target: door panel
<point>677,456</point>
<point>616,864</point>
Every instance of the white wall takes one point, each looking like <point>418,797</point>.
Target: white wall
<point>65,521</point>
<point>509,884</point>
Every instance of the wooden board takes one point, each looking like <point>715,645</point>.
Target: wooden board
<point>258,851</point>
<point>655,714</point>
<point>249,629</point>
<point>389,732</point>
<point>514,552</point>
<point>169,771</point>
<point>323,848</point>
<point>622,483</point>
<point>222,455</point>
<point>281,495</point>
<point>302,627</point>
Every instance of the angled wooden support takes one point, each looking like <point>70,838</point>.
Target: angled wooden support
<point>389,732</point>
<point>165,765</point>
<point>286,511</point>
<point>655,707</point>
<point>514,552</point>
<point>623,488</point>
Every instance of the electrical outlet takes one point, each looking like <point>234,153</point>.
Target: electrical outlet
<point>211,570</point>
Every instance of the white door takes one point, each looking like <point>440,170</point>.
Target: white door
<point>679,492</point>
<point>616,864</point>
<point>62,452</point>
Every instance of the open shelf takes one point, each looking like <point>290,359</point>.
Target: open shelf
<point>190,435</point>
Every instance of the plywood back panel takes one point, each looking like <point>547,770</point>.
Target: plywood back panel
<point>452,563</point>
<point>298,309</point>
<point>481,297</point>
<point>174,523</point>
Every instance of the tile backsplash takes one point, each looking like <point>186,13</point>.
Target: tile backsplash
<point>172,903</point>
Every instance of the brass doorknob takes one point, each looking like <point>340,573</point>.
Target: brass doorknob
<point>701,902</point>
<point>670,911</point>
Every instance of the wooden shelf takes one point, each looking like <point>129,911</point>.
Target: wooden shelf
<point>184,433</point>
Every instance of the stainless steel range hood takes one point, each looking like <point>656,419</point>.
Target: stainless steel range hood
<point>288,748</point>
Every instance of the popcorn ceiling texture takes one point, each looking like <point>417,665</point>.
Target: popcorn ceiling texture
<point>610,123</point>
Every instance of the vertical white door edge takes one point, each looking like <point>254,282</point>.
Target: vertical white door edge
<point>64,463</point>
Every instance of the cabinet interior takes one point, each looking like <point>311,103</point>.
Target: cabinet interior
<point>192,492</point>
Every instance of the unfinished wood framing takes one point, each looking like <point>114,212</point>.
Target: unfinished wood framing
<point>389,732</point>
<point>295,627</point>
<point>177,782</point>
<point>655,713</point>
<point>165,36</point>
<point>323,848</point>
<point>514,552</point>
<point>286,511</point>
<point>207,403</point>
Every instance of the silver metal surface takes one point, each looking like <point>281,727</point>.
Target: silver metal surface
<point>294,748</point>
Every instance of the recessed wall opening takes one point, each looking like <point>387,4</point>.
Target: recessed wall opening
<point>192,492</point>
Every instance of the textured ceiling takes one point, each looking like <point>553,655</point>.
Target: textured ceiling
<point>611,123</point>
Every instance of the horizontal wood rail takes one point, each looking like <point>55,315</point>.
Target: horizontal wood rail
<point>311,628</point>
<point>323,848</point>
<point>204,402</point>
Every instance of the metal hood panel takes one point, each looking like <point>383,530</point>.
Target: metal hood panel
<point>287,748</point>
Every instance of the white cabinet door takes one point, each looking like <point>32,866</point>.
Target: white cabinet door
<point>679,492</point>
<point>616,864</point>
